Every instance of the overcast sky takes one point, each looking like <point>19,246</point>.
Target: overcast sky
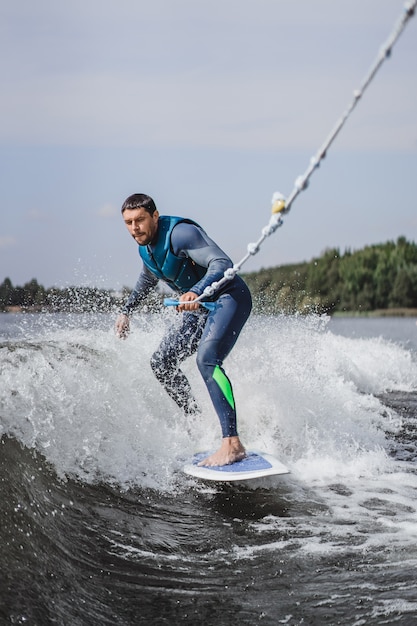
<point>209,107</point>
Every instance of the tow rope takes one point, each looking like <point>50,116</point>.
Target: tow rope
<point>281,206</point>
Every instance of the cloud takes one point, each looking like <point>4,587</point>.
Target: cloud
<point>36,215</point>
<point>107,211</point>
<point>276,77</point>
<point>7,241</point>
<point>243,112</point>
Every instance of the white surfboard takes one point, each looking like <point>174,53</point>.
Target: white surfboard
<point>254,465</point>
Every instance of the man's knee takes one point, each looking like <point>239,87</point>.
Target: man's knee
<point>206,359</point>
<point>158,365</point>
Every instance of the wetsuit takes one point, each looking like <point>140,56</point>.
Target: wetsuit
<point>188,260</point>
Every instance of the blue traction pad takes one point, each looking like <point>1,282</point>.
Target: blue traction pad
<point>251,463</point>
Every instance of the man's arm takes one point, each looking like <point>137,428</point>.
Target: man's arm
<point>145,283</point>
<point>191,241</point>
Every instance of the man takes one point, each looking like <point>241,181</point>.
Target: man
<point>179,252</point>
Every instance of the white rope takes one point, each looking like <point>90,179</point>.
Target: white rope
<point>280,206</point>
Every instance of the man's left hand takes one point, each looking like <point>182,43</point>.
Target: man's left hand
<point>186,302</point>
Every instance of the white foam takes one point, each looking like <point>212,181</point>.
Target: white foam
<point>91,404</point>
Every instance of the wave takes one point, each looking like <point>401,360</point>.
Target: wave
<point>90,404</point>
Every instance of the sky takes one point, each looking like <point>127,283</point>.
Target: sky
<point>209,107</point>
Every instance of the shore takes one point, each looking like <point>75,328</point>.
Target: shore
<point>395,312</point>
<point>398,312</point>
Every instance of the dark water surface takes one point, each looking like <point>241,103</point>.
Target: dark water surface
<point>98,525</point>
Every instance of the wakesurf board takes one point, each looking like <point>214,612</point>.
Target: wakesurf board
<point>254,465</point>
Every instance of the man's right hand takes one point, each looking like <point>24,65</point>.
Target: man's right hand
<point>122,326</point>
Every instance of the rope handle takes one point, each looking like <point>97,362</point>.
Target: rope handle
<point>210,306</point>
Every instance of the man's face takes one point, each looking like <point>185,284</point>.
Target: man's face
<point>141,225</point>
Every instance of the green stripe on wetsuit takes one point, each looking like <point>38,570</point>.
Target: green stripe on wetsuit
<point>221,379</point>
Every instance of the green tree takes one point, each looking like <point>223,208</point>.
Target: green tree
<point>404,290</point>
<point>323,279</point>
<point>6,293</point>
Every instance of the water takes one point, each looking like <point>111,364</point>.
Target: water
<point>100,526</point>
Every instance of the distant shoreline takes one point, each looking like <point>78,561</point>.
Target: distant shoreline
<point>394,312</point>
<point>397,312</point>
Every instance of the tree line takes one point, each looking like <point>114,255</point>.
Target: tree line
<point>34,297</point>
<point>382,276</point>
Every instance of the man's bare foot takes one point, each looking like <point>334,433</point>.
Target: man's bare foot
<point>230,451</point>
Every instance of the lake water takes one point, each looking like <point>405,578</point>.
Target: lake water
<point>100,526</point>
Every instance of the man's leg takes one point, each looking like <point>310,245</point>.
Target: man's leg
<point>220,335</point>
<point>178,344</point>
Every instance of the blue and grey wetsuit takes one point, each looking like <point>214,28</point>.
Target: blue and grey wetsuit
<point>185,258</point>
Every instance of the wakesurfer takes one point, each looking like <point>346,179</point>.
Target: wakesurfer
<point>178,251</point>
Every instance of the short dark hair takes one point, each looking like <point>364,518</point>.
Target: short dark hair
<point>138,201</point>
